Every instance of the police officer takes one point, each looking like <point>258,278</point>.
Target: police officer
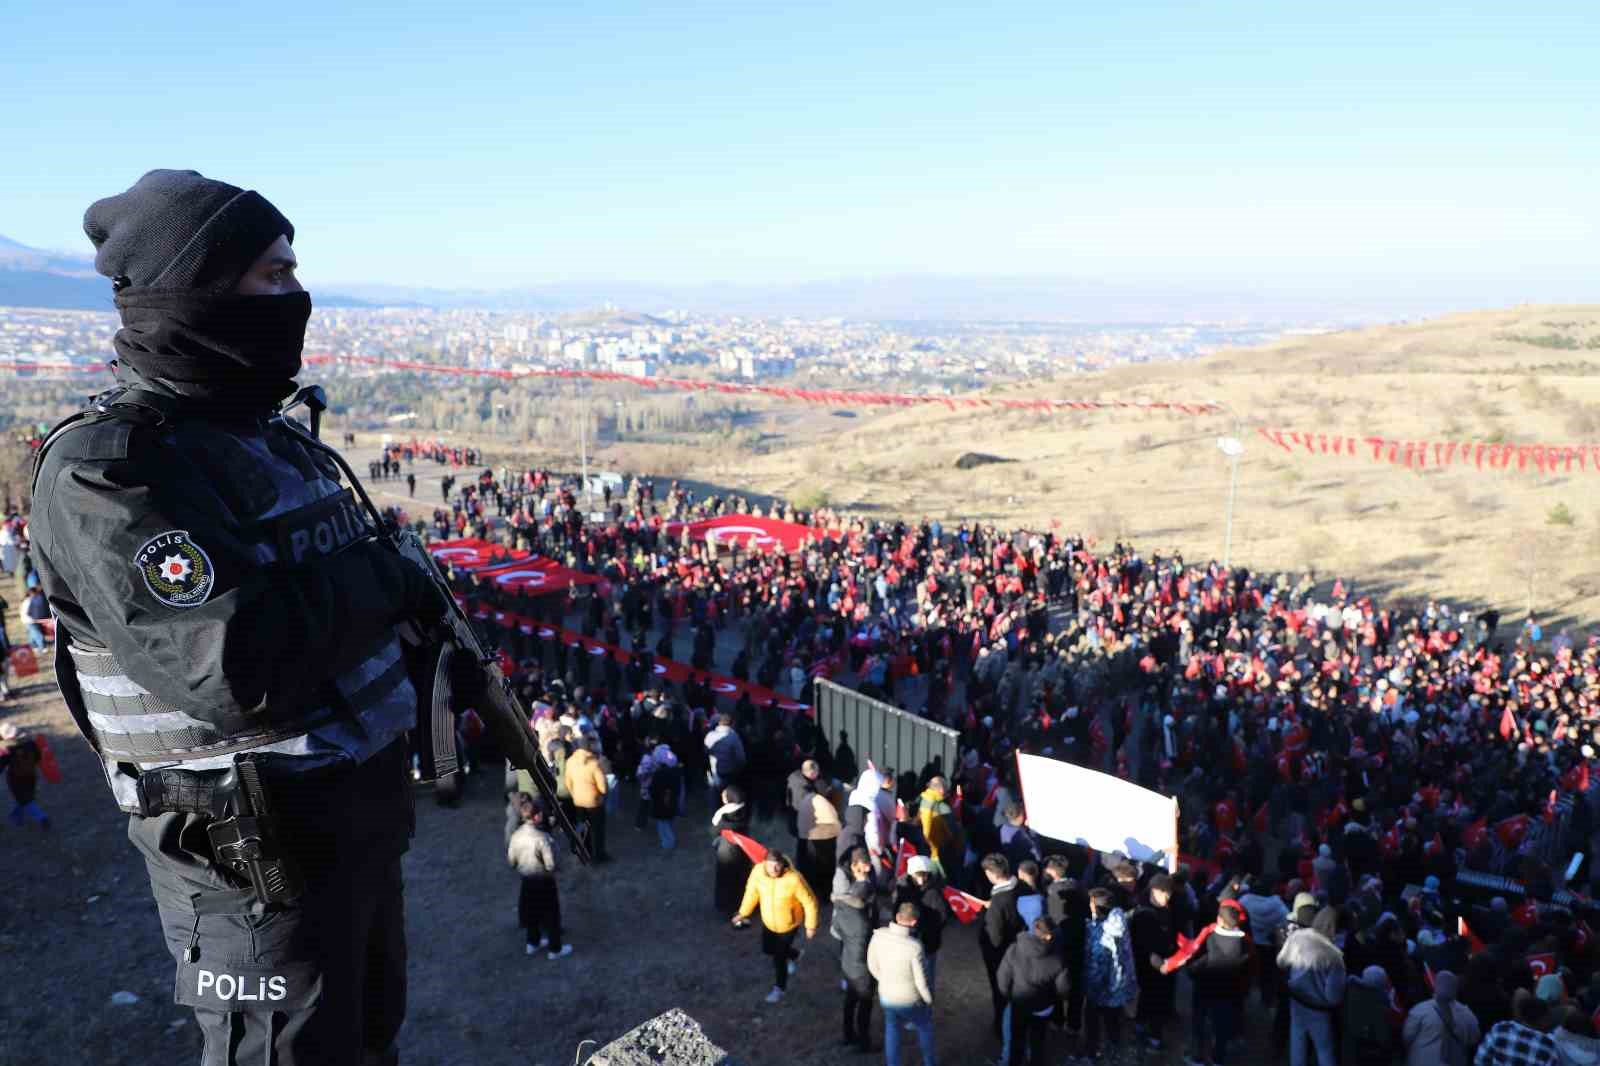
<point>230,637</point>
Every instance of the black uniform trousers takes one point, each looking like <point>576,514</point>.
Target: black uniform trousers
<point>322,981</point>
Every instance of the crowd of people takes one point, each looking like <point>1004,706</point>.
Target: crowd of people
<point>1388,813</point>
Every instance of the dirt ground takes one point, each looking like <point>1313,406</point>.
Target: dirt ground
<point>77,926</point>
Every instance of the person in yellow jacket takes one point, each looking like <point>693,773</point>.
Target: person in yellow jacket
<point>941,829</point>
<point>787,904</point>
<point>585,776</point>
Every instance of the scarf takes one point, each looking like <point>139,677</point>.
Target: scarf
<point>239,352</point>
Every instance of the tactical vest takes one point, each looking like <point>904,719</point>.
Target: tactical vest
<point>289,505</point>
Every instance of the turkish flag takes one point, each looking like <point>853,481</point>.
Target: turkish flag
<point>1508,724</point>
<point>1475,834</point>
<point>1474,944</point>
<point>753,850</point>
<point>1526,914</point>
<point>1512,830</point>
<point>966,908</point>
<point>907,851</point>
<point>1541,964</point>
<point>47,760</point>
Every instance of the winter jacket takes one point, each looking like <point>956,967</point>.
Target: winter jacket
<point>1267,913</point>
<point>1108,978</point>
<point>1002,923</point>
<point>785,901</point>
<point>1154,932</point>
<point>1314,969</point>
<point>817,819</point>
<point>853,922</point>
<point>868,816</point>
<point>532,852</point>
<point>1033,975</point>
<point>940,830</point>
<point>726,750</point>
<point>1221,969</point>
<point>586,781</point>
<point>935,909</point>
<point>897,961</point>
<point>1425,1038</point>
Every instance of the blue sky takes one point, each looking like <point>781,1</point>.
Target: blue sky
<point>1243,143</point>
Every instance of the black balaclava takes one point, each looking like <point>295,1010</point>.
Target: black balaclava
<point>175,245</point>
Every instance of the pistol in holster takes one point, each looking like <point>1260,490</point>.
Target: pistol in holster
<point>244,832</point>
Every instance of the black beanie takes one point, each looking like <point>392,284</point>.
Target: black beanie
<point>178,230</point>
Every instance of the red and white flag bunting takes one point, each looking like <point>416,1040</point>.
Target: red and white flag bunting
<point>1486,456</point>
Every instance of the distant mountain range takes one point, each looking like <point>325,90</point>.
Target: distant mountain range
<point>30,277</point>
<point>33,278</point>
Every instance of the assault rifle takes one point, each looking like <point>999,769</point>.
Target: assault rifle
<point>462,667</point>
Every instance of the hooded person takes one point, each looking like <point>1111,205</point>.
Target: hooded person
<point>1314,978</point>
<point>1441,1031</point>
<point>869,819</point>
<point>220,597</point>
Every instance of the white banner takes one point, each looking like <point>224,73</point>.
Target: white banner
<point>1098,811</point>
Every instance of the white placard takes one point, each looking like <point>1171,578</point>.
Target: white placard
<point>1097,810</point>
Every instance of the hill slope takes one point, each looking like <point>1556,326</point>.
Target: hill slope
<point>1159,480</point>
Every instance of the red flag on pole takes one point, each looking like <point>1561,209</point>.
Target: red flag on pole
<point>1474,945</point>
<point>753,850</point>
<point>1541,964</point>
<point>1508,724</point>
<point>905,854</point>
<point>1512,830</point>
<point>966,908</point>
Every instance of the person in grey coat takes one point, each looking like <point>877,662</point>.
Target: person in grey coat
<point>1315,979</point>
<point>855,916</point>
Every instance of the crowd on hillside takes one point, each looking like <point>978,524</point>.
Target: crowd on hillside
<point>1345,768</point>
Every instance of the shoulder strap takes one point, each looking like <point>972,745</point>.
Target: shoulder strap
<point>129,404</point>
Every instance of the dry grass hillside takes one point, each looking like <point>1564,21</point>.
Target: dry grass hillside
<point>1525,375</point>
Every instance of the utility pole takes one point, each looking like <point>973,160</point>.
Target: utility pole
<point>1232,447</point>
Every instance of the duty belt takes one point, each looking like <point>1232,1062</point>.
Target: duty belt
<point>130,724</point>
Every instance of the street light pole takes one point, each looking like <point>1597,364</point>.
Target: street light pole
<point>1232,447</point>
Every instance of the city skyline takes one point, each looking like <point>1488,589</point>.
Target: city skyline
<point>1322,155</point>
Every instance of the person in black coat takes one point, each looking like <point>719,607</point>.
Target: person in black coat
<point>1155,934</point>
<point>1066,903</point>
<point>1033,978</point>
<point>855,916</point>
<point>733,865</point>
<point>924,887</point>
<point>1002,924</point>
<point>1220,974</point>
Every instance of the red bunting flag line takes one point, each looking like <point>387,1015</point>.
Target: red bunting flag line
<point>1444,455</point>
<point>831,397</point>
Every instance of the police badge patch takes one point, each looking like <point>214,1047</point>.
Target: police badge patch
<point>176,570</point>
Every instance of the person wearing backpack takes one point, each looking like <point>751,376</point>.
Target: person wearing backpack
<point>1441,1031</point>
